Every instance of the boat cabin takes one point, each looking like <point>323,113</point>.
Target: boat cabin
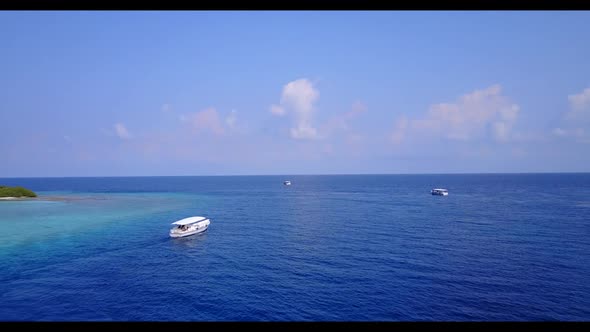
<point>439,192</point>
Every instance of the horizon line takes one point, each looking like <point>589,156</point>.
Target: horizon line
<point>286,175</point>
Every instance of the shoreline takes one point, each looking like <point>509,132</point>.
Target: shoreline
<point>50,198</point>
<point>22,198</point>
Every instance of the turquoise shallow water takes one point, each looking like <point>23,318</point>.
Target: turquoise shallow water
<point>327,248</point>
<point>45,221</point>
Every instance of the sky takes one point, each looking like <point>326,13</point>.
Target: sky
<point>155,93</point>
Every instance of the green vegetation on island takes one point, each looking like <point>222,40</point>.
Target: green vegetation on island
<point>16,192</point>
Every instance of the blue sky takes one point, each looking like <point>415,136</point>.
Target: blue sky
<point>106,93</point>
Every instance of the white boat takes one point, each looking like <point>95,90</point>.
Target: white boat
<point>287,183</point>
<point>439,192</point>
<point>189,226</point>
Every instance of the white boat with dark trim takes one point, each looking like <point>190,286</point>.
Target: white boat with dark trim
<point>439,192</point>
<point>189,226</point>
<point>287,183</point>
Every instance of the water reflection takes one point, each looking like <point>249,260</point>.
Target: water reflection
<point>191,241</point>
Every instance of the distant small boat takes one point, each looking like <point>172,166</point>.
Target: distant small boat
<point>189,226</point>
<point>287,183</point>
<point>439,192</point>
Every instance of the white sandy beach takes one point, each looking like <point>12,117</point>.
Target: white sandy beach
<point>48,198</point>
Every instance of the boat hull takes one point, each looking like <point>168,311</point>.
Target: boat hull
<point>189,232</point>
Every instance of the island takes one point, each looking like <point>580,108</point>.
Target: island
<point>15,193</point>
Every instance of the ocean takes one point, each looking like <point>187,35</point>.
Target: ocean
<point>500,247</point>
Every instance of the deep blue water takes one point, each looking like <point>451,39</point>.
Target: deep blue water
<point>500,247</point>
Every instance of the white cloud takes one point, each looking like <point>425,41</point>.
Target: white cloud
<point>304,132</point>
<point>500,131</point>
<point>277,110</point>
<point>230,120</point>
<point>341,121</point>
<point>471,116</point>
<point>575,123</point>
<point>559,132</point>
<point>121,131</point>
<point>528,137</point>
<point>578,134</point>
<point>579,103</point>
<point>399,131</point>
<point>357,108</point>
<point>298,98</point>
<point>205,120</point>
<point>503,127</point>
